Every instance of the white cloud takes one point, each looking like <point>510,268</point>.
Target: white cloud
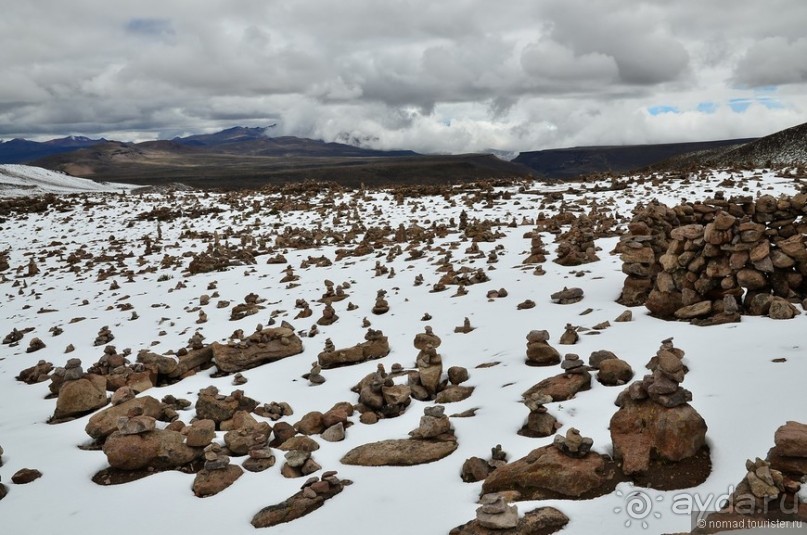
<point>452,76</point>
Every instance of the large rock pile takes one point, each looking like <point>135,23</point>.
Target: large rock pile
<point>713,261</point>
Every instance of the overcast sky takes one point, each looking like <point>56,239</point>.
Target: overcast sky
<point>433,76</point>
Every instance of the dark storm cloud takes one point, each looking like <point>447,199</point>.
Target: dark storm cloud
<point>435,76</point>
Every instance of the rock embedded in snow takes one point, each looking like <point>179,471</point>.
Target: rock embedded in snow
<point>80,396</point>
<point>375,346</point>
<point>547,472</point>
<point>25,475</point>
<point>567,296</point>
<point>105,422</point>
<point>263,346</point>
<point>313,495</point>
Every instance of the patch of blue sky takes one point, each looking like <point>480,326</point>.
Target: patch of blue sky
<point>739,105</point>
<point>707,107</point>
<point>662,108</point>
<point>150,27</point>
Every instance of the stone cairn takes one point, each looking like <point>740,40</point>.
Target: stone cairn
<point>572,364</point>
<point>434,424</point>
<point>655,420</point>
<point>573,444</point>
<point>539,352</point>
<point>714,261</point>
<point>495,513</point>
<point>663,385</point>
<point>381,305</point>
<point>537,251</point>
<point>539,422</point>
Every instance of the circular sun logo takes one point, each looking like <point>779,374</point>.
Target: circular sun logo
<point>638,506</point>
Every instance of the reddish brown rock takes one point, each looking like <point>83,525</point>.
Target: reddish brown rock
<point>644,430</point>
<point>546,472</point>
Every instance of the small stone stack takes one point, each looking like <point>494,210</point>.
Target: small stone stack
<point>539,422</point>
<point>576,246</point>
<point>537,251</point>
<point>662,386</point>
<point>328,316</point>
<point>569,336</point>
<point>104,336</point>
<point>539,352</point>
<point>434,424</point>
<point>573,365</point>
<point>136,423</point>
<point>495,513</point>
<point>430,371</point>
<point>315,375</point>
<point>573,444</point>
<point>381,305</point>
<point>217,474</point>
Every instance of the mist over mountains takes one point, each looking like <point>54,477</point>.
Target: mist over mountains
<point>247,156</point>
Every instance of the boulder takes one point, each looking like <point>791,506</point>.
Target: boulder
<point>104,423</point>
<point>210,482</point>
<point>546,473</point>
<point>561,387</point>
<point>308,500</point>
<point>644,430</point>
<point>159,449</point>
<point>541,521</point>
<point>400,452</point>
<point>77,398</point>
<point>268,345</point>
<point>791,439</point>
<point>614,372</point>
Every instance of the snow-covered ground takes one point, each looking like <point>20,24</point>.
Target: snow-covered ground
<point>739,391</point>
<point>25,180</point>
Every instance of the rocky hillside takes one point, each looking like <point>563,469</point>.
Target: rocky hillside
<point>785,148</point>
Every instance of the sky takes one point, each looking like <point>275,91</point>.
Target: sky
<point>439,77</point>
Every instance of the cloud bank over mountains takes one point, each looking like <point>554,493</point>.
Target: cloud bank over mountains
<point>458,76</point>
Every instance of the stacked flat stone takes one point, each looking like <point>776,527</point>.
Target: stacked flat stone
<point>573,444</point>
<point>573,364</point>
<point>539,352</point>
<point>663,385</point>
<point>495,513</point>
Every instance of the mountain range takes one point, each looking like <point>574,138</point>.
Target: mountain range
<point>248,157</point>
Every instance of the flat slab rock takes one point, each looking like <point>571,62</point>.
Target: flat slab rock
<point>399,452</point>
<point>280,342</point>
<point>541,521</point>
<point>547,473</point>
<point>296,506</point>
<point>210,482</point>
<point>561,387</point>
